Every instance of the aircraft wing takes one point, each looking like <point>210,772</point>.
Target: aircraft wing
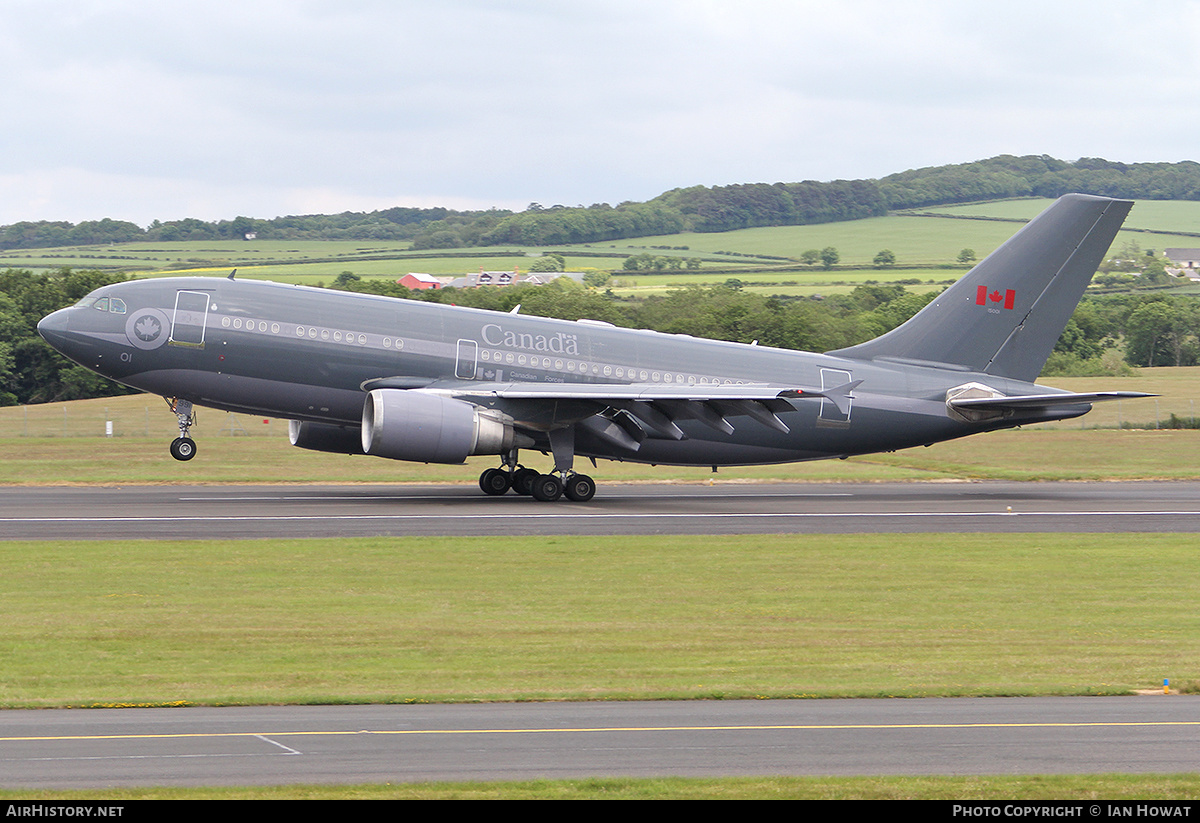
<point>631,391</point>
<point>1036,401</point>
<point>626,411</point>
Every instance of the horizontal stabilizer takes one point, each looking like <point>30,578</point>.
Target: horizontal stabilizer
<point>1042,401</point>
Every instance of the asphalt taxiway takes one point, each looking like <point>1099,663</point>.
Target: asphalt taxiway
<point>280,745</point>
<point>235,512</point>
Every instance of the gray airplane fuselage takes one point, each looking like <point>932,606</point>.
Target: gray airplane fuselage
<point>312,354</point>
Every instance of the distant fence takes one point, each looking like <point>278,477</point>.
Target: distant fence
<point>94,419</point>
<point>118,417</point>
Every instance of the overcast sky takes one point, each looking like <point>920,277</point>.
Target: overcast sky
<point>139,110</point>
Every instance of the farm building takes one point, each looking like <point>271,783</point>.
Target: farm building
<point>1187,261</point>
<point>417,281</point>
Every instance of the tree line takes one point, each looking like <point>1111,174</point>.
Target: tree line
<point>1107,334</point>
<point>397,224</point>
<point>696,208</point>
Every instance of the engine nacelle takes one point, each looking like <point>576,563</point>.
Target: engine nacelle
<point>325,437</point>
<point>426,428</point>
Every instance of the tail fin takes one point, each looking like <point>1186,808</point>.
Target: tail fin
<point>1006,314</point>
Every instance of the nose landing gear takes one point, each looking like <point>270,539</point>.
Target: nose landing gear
<point>183,447</point>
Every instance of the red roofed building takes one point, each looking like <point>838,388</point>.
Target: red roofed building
<point>418,281</point>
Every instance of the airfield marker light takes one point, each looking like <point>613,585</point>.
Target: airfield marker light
<point>1166,685</point>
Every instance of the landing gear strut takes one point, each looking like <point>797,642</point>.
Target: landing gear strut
<point>183,447</point>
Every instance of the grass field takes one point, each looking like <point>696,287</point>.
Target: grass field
<point>1157,215</point>
<point>787,283</point>
<point>113,623</point>
<point>1011,787</point>
<point>1032,455</point>
<point>926,241</point>
<point>915,241</point>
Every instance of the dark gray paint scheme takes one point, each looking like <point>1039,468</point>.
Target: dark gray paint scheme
<point>964,364</point>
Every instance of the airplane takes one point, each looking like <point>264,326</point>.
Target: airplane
<point>433,383</point>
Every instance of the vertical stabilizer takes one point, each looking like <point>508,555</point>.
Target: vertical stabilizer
<point>1006,314</point>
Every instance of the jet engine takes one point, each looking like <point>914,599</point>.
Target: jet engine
<point>325,437</point>
<point>426,428</point>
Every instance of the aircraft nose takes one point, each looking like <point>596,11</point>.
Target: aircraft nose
<point>54,327</point>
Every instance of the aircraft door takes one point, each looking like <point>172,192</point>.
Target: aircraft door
<point>468,353</point>
<point>190,318</point>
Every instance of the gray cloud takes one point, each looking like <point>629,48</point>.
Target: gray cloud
<point>140,110</point>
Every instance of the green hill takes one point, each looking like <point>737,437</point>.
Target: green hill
<point>692,209</point>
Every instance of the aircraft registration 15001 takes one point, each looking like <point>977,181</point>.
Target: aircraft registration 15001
<point>426,382</point>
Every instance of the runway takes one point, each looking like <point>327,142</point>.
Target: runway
<point>525,741</point>
<point>236,512</point>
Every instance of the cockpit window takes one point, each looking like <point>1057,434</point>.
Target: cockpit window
<point>111,304</point>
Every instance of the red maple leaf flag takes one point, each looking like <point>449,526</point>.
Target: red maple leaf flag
<point>984,297</point>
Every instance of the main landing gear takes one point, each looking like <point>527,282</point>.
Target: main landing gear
<point>562,482</point>
<point>545,487</point>
<point>183,447</point>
